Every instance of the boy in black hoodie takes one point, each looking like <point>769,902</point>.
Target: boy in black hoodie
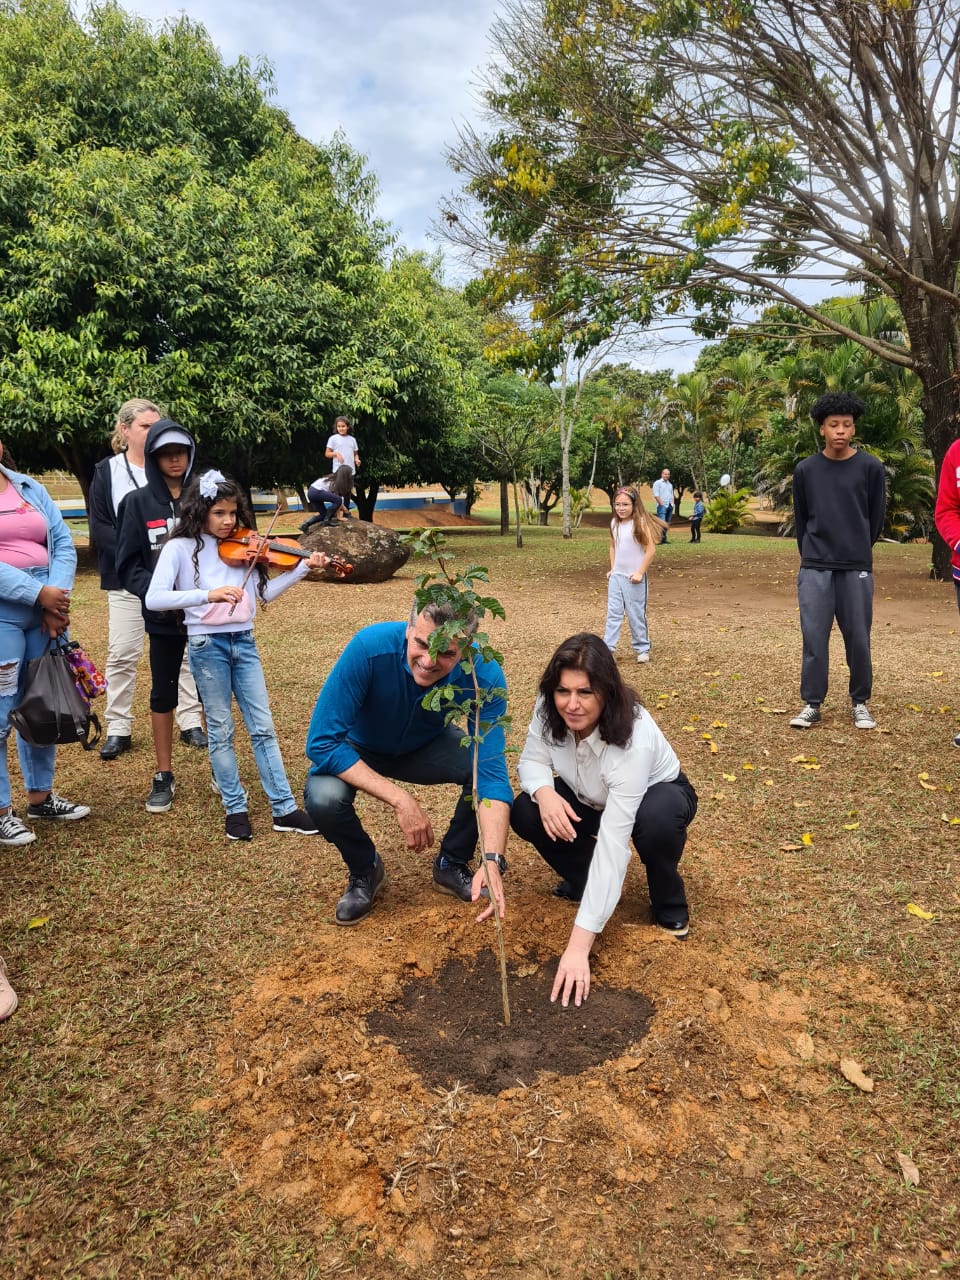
<point>144,520</point>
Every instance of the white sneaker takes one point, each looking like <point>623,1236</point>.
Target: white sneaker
<point>643,657</point>
<point>862,719</point>
<point>810,715</point>
<point>8,997</point>
<point>13,831</point>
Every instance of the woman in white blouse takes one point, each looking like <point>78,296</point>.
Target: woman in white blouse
<point>597,772</point>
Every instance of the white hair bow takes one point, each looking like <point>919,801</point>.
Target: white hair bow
<point>209,482</point>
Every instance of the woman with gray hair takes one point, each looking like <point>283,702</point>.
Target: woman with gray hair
<point>113,479</point>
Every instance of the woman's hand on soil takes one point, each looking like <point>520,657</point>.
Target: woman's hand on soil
<point>573,977</point>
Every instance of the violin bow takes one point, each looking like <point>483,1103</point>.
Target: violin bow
<point>253,563</point>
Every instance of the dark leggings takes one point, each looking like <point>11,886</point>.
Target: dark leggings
<point>659,835</point>
<point>166,659</point>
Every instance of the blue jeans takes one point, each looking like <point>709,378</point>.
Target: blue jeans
<point>229,664</point>
<point>330,801</point>
<point>626,598</point>
<point>20,640</point>
<point>664,513</point>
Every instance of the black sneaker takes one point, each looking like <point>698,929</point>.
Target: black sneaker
<point>298,822</point>
<point>57,807</point>
<point>237,826</point>
<point>455,878</point>
<point>160,798</point>
<point>194,737</point>
<point>677,928</point>
<point>360,893</point>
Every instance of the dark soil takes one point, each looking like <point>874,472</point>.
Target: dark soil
<point>452,1030</point>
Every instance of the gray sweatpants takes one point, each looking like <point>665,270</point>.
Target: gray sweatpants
<point>847,595</point>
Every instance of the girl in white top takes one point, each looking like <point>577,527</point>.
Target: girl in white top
<point>596,772</point>
<point>219,611</point>
<point>634,535</point>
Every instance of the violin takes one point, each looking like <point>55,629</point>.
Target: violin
<point>246,548</point>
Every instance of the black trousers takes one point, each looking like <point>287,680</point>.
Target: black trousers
<point>659,835</point>
<point>166,659</point>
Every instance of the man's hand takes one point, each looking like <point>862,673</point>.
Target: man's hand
<point>496,884</point>
<point>413,822</point>
<point>556,814</point>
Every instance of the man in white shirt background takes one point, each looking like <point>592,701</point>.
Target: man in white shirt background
<point>663,496</point>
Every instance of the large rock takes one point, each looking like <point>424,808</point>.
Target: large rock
<point>375,553</point>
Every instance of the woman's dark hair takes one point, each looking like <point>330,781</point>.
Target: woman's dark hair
<point>587,653</point>
<point>341,481</point>
<point>194,509</point>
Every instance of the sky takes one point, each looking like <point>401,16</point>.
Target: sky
<point>397,78</point>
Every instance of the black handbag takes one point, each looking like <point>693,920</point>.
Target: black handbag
<point>52,709</point>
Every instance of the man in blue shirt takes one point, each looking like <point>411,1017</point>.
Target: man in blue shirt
<point>369,730</point>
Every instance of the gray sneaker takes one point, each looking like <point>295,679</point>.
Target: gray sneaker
<point>809,716</point>
<point>160,798</point>
<point>862,719</point>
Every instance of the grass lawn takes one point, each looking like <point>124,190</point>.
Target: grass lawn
<point>190,1087</point>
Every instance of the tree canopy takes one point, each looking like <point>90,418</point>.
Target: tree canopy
<point>165,232</point>
<point>702,156</point>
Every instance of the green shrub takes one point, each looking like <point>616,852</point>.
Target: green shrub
<point>728,511</point>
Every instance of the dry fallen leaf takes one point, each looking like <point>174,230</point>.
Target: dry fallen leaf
<point>807,838</point>
<point>804,1045</point>
<point>37,922</point>
<point>729,777</point>
<point>922,779</point>
<point>911,1174</point>
<point>851,826</point>
<point>919,911</point>
<point>790,848</point>
<point>851,1070</point>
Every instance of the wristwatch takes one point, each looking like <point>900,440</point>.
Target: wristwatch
<point>498,858</point>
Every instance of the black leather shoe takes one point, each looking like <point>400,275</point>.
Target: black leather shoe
<point>115,745</point>
<point>194,738</point>
<point>569,892</point>
<point>455,878</point>
<point>360,893</point>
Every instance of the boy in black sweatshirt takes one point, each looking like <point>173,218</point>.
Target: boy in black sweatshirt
<point>839,500</point>
<point>145,518</point>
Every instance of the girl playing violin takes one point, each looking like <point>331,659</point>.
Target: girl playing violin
<point>219,607</point>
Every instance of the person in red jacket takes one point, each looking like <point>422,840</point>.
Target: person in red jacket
<point>947,516</point>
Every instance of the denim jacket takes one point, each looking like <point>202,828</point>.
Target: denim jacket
<point>22,586</point>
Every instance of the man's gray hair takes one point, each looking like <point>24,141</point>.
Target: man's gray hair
<point>125,415</point>
<point>439,614</point>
